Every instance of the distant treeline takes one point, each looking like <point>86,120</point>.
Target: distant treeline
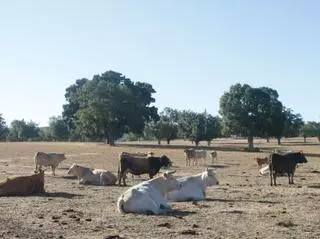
<point>110,107</point>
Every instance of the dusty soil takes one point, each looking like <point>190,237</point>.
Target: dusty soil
<point>242,206</point>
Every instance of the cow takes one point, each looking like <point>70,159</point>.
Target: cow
<point>48,159</point>
<point>195,155</point>
<point>190,155</point>
<point>137,154</point>
<point>262,161</point>
<point>148,196</point>
<point>193,188</point>
<point>281,163</point>
<point>140,165</point>
<point>213,155</point>
<point>99,177</point>
<point>23,185</point>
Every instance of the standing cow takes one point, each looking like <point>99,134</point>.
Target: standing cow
<point>48,160</point>
<point>281,163</point>
<point>140,165</point>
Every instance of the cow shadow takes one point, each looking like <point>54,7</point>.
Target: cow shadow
<point>239,200</point>
<point>68,177</point>
<point>178,213</point>
<point>62,195</point>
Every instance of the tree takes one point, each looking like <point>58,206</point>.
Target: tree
<point>58,129</point>
<point>109,105</point>
<point>293,123</point>
<point>22,131</point>
<point>276,119</point>
<point>3,129</point>
<point>310,129</point>
<point>245,111</point>
<point>212,128</point>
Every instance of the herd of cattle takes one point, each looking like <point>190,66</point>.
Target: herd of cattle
<point>154,195</point>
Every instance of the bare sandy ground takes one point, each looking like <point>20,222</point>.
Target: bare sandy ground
<point>242,206</point>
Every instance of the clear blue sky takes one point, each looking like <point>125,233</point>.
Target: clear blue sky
<point>190,51</point>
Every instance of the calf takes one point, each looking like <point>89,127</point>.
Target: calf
<point>140,165</point>
<point>195,155</point>
<point>149,196</point>
<point>262,161</point>
<point>284,163</point>
<point>23,185</point>
<point>48,160</point>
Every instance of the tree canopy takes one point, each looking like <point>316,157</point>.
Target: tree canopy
<point>108,106</point>
<point>250,112</point>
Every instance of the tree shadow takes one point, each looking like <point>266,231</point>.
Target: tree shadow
<point>218,166</point>
<point>316,186</point>
<point>62,195</point>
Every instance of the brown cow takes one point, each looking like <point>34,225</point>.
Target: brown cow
<point>261,161</point>
<point>23,185</point>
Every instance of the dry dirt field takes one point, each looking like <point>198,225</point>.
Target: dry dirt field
<point>242,206</point>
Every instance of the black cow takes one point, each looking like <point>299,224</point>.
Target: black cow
<point>140,165</point>
<point>285,163</point>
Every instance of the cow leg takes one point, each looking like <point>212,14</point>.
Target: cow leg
<point>120,176</point>
<point>274,180</point>
<point>53,170</point>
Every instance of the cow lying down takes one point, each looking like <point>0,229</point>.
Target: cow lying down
<point>148,197</point>
<point>23,185</point>
<point>99,177</point>
<point>193,188</point>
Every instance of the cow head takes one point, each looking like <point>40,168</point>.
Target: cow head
<point>301,158</point>
<point>171,183</point>
<point>73,169</point>
<point>165,161</point>
<point>209,176</point>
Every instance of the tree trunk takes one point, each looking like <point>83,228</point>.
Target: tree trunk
<point>209,143</point>
<point>268,139</point>
<point>279,140</point>
<point>159,141</point>
<point>318,138</point>
<point>168,141</point>
<point>305,139</point>
<point>197,142</point>
<point>250,142</point>
<point>110,140</point>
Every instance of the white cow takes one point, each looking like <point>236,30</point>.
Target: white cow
<point>194,187</point>
<point>201,154</point>
<point>149,196</point>
<point>92,176</point>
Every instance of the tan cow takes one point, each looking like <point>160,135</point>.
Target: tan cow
<point>213,155</point>
<point>92,176</point>
<point>48,160</point>
<point>23,185</point>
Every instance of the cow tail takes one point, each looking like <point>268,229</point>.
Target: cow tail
<point>120,205</point>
